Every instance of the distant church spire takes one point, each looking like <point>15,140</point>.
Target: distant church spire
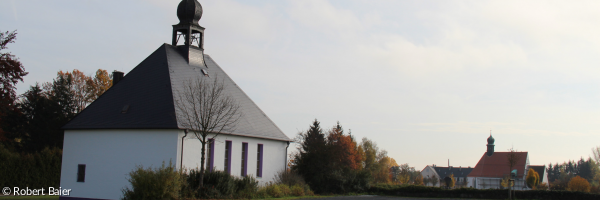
<point>490,145</point>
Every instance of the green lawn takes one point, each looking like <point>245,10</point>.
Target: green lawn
<point>29,197</point>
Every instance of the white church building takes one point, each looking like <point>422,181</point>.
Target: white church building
<point>135,122</point>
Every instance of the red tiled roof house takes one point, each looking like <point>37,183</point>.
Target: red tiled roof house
<point>493,167</point>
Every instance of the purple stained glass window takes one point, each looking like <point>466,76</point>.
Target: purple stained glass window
<point>227,164</point>
<point>244,159</point>
<point>259,161</point>
<point>211,155</point>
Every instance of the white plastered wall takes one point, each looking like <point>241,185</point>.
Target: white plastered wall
<point>428,172</point>
<point>274,155</point>
<point>109,156</point>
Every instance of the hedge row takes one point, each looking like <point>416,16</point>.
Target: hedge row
<point>37,170</point>
<point>424,191</point>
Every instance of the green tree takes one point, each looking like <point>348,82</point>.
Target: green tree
<point>45,112</point>
<point>370,150</point>
<point>310,161</point>
<point>584,169</point>
<point>404,174</point>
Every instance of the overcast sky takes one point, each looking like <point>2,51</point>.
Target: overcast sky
<point>425,80</point>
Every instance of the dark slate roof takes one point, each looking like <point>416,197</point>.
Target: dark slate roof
<point>457,171</point>
<point>540,169</point>
<point>149,90</point>
<point>496,165</point>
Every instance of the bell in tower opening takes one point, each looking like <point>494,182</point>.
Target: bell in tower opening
<point>188,35</point>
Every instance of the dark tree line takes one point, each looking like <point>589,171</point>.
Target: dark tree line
<point>583,168</point>
<point>559,175</point>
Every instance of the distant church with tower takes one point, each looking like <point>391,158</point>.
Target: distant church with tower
<point>490,170</point>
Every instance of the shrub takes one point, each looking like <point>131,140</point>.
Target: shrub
<point>542,186</point>
<point>262,193</point>
<point>288,177</point>
<point>308,191</point>
<point>292,179</point>
<point>274,191</point>
<point>579,184</point>
<point>297,191</point>
<point>285,190</point>
<point>219,184</point>
<point>595,189</point>
<point>246,187</point>
<point>160,183</point>
<point>222,182</point>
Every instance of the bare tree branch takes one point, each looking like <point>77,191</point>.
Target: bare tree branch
<point>204,109</point>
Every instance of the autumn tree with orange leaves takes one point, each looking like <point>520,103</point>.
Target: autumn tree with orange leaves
<point>43,110</point>
<point>85,89</point>
<point>579,184</point>
<point>343,149</point>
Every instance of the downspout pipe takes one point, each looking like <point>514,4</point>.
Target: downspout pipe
<point>181,160</point>
<point>286,152</point>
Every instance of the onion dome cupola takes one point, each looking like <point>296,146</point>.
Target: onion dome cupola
<point>189,13</point>
<point>490,145</point>
<point>491,139</point>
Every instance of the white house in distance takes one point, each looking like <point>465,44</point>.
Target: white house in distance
<point>459,173</point>
<point>136,122</point>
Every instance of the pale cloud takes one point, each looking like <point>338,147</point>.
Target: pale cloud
<point>323,17</point>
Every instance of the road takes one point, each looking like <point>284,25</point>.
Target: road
<point>375,197</point>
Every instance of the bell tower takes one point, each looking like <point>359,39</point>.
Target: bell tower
<point>490,145</point>
<point>188,34</point>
